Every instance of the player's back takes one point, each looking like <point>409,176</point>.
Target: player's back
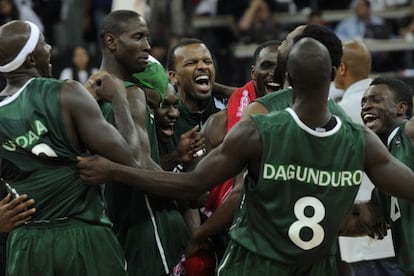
<point>307,183</point>
<point>34,139</point>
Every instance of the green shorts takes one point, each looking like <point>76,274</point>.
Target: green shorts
<point>239,261</point>
<point>65,248</point>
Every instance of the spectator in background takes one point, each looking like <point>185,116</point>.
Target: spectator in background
<point>8,11</point>
<point>80,70</point>
<point>356,26</point>
<point>365,25</point>
<point>18,10</point>
<point>406,30</point>
<point>258,23</point>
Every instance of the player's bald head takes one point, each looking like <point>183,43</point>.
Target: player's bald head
<point>13,37</point>
<point>309,64</point>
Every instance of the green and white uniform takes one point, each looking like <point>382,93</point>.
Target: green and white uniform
<point>401,212</point>
<point>282,99</point>
<point>289,219</point>
<point>151,229</point>
<point>70,225</point>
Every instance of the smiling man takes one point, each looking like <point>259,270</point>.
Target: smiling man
<point>387,110</point>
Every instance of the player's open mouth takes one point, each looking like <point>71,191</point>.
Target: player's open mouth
<point>203,82</point>
<point>369,119</point>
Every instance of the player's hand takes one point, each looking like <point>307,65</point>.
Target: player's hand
<point>364,219</point>
<point>16,212</point>
<point>94,169</point>
<point>191,145</point>
<point>372,220</point>
<point>105,86</point>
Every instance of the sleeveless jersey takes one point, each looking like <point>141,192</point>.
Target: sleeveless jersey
<point>282,99</point>
<point>308,181</point>
<point>33,138</point>
<point>401,212</point>
<point>140,220</point>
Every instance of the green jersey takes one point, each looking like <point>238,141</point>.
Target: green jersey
<point>144,223</point>
<point>282,99</point>
<point>307,182</point>
<point>33,138</point>
<point>188,120</point>
<point>401,212</point>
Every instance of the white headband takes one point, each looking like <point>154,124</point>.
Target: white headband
<point>25,51</point>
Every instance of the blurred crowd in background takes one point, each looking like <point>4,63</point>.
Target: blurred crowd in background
<point>70,27</point>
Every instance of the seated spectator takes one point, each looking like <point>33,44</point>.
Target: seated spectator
<point>360,24</point>
<point>80,69</point>
<point>258,23</point>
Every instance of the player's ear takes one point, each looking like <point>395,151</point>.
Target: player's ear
<point>402,108</point>
<point>253,72</point>
<point>173,78</point>
<point>110,41</point>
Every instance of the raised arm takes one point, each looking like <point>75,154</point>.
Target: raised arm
<point>386,172</point>
<point>224,162</point>
<point>106,87</point>
<point>87,127</point>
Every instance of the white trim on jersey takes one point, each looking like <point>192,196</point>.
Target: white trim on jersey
<point>312,131</point>
<point>15,95</point>
<point>392,135</point>
<point>157,236</point>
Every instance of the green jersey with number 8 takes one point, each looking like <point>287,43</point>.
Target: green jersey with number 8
<point>308,181</point>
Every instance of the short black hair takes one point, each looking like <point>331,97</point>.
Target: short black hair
<point>114,22</point>
<point>325,36</point>
<point>269,43</point>
<point>181,43</point>
<point>402,92</point>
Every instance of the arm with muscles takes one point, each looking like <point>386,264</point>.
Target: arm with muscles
<point>86,125</point>
<point>138,109</point>
<point>224,162</point>
<point>381,167</point>
<point>255,108</point>
<point>104,86</point>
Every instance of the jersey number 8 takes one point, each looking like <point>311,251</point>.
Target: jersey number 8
<point>311,222</point>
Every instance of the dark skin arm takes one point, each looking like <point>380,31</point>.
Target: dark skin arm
<point>106,87</point>
<point>86,126</point>
<point>227,160</point>
<point>137,107</point>
<point>255,108</point>
<point>215,129</point>
<point>219,221</point>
